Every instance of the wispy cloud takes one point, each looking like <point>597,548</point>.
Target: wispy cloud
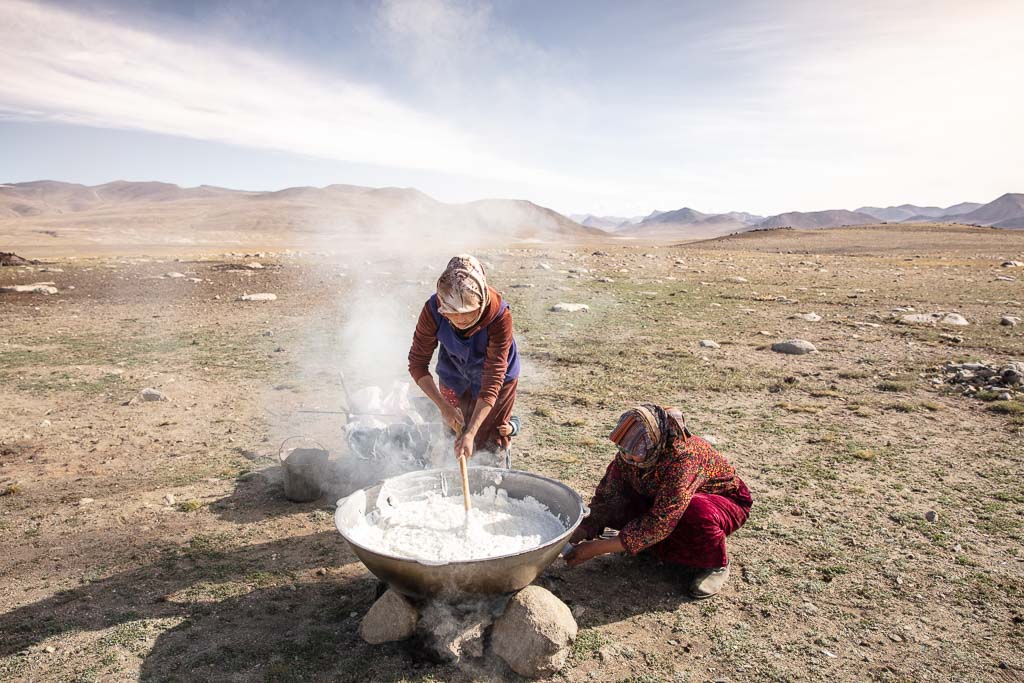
<point>56,65</point>
<point>770,106</point>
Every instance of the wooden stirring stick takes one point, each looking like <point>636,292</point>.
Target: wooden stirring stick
<point>463,469</point>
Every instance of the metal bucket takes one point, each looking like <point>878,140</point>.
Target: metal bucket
<point>490,576</point>
<point>303,472</point>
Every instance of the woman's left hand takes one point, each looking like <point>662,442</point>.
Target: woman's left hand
<point>464,445</point>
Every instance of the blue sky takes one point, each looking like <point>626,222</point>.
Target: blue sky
<point>613,108</point>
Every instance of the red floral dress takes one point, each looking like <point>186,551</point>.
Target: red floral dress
<point>691,494</point>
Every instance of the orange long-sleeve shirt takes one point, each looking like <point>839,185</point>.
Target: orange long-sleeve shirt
<point>499,341</point>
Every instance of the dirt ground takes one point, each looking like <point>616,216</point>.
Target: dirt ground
<point>139,544</point>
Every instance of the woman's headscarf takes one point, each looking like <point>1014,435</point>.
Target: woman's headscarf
<point>649,431</point>
<point>462,287</point>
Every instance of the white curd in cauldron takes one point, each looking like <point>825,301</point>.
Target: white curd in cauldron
<point>436,528</point>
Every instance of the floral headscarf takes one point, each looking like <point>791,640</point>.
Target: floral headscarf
<point>462,287</point>
<point>649,431</point>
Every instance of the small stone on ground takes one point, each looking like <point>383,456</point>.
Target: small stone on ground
<point>796,347</point>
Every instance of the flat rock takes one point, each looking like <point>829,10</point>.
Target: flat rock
<point>1009,321</point>
<point>34,288</point>
<point>954,319</point>
<point>919,319</point>
<point>391,618</point>
<point>737,279</point>
<point>795,347</point>
<point>570,308</point>
<point>174,275</point>
<point>709,344</point>
<point>1013,264</point>
<point>534,634</point>
<point>262,296</point>
<point>808,317</point>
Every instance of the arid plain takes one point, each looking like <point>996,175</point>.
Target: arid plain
<point>151,539</point>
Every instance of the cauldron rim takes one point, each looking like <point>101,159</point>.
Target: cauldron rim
<point>561,538</point>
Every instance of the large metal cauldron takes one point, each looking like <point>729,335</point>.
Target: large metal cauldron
<point>491,576</point>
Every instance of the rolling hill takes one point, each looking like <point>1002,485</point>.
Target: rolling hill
<point>817,219</point>
<point>161,213</point>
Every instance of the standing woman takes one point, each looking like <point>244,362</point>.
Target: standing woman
<point>477,362</point>
<point>668,493</point>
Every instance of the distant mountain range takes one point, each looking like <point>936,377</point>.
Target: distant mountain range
<point>1005,212</point>
<point>155,212</point>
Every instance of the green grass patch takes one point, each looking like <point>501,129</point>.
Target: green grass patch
<point>894,386</point>
<point>588,641</point>
<point>1007,407</point>
<point>189,505</point>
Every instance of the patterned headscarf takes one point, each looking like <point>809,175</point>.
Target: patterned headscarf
<point>462,287</point>
<point>649,431</point>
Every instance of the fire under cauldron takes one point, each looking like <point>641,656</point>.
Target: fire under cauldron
<point>452,580</point>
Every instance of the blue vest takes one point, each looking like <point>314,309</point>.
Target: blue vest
<point>460,360</point>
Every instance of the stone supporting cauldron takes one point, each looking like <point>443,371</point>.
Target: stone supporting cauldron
<point>532,631</point>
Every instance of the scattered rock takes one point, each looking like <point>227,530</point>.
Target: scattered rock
<point>605,279</point>
<point>49,649</point>
<point>954,319</point>
<point>254,265</point>
<point>169,499</point>
<point>544,266</point>
<point>919,319</point>
<point>931,516</point>
<point>808,317</point>
<point>1013,264</point>
<point>174,275</point>
<point>534,633</point>
<point>34,288</point>
<point>262,296</point>
<point>600,253</point>
<point>391,618</point>
<point>1009,321</point>
<point>570,308</point>
<point>709,344</point>
<point>86,501</point>
<point>151,394</point>
<point>975,377</point>
<point>737,279</point>
<point>796,347</point>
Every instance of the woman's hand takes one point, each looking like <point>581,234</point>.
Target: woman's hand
<point>453,417</point>
<point>587,550</point>
<point>464,445</point>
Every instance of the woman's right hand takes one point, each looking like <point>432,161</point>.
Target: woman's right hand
<point>453,417</point>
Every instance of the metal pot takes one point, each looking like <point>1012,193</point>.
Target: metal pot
<point>490,576</point>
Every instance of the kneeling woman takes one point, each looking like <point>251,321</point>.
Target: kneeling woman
<point>477,364</point>
<point>668,493</point>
